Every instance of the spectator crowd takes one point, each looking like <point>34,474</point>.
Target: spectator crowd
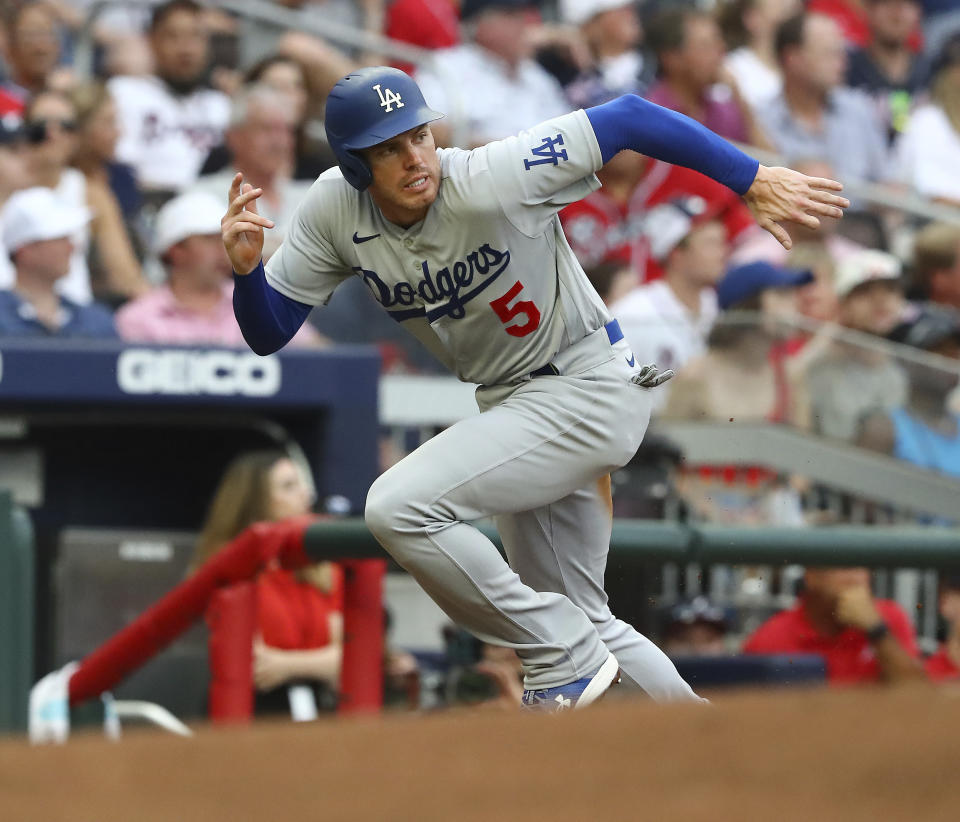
<point>118,142</point>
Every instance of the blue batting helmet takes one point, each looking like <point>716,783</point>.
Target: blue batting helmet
<point>367,107</point>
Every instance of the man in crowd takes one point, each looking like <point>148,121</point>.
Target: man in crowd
<point>612,33</point>
<point>195,305</point>
<point>667,321</point>
<point>490,86</point>
<point>696,627</point>
<point>936,263</point>
<point>815,116</point>
<point>261,140</point>
<point>849,380</point>
<point>861,639</point>
<point>944,665</point>
<point>887,68</point>
<point>170,121</point>
<point>689,51</point>
<point>33,52</point>
<point>37,228</point>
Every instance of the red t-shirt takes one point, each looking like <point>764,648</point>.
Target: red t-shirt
<point>940,667</point>
<point>601,230</point>
<point>430,24</point>
<point>295,615</point>
<point>849,656</point>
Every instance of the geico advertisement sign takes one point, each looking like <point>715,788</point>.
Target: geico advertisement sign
<point>221,373</point>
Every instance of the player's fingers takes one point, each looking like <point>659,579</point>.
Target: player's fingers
<point>825,183</point>
<point>235,184</point>
<point>820,196</point>
<point>252,204</point>
<point>824,210</point>
<point>239,227</point>
<point>253,217</point>
<point>779,233</point>
<point>241,201</point>
<point>804,219</point>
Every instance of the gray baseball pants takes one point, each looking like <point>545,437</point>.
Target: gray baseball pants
<point>535,461</point>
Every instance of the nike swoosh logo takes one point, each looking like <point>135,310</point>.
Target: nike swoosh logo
<point>358,239</point>
<point>631,361</point>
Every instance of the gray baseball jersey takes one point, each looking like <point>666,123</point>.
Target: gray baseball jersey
<point>486,280</point>
<point>489,284</point>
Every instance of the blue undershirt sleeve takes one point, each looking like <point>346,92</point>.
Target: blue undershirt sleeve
<point>630,122</point>
<point>267,318</point>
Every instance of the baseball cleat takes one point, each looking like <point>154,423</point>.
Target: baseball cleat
<point>574,695</point>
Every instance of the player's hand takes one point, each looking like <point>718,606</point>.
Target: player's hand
<point>650,376</point>
<point>242,227</point>
<point>855,607</point>
<point>782,194</point>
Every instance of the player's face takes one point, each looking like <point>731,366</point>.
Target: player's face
<point>289,493</point>
<point>406,175</point>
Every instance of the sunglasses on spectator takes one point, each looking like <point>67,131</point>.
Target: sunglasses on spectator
<point>39,130</point>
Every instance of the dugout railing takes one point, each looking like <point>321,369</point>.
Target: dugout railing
<point>296,543</point>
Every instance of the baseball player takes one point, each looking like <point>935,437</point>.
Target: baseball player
<point>465,249</point>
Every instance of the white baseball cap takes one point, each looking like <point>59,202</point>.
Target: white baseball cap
<point>865,266</point>
<point>196,213</point>
<point>36,214</point>
<point>666,225</point>
<point>577,12</point>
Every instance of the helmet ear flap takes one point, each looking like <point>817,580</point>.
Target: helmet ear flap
<point>355,170</point>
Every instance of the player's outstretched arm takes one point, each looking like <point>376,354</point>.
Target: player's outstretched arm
<point>773,194</point>
<point>778,194</point>
<point>242,227</point>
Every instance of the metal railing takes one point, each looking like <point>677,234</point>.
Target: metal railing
<point>657,541</point>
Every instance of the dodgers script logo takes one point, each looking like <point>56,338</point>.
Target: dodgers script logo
<point>388,100</point>
<point>445,289</point>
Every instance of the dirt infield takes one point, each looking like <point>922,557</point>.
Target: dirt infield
<point>775,756</point>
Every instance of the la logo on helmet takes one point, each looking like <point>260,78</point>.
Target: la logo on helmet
<point>388,100</point>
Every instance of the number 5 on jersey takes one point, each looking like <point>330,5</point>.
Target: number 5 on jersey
<point>507,312</point>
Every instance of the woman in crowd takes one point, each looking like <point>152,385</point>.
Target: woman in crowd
<point>51,136</point>
<point>95,155</point>
<point>299,613</point>
<point>928,153</point>
<point>749,28</point>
